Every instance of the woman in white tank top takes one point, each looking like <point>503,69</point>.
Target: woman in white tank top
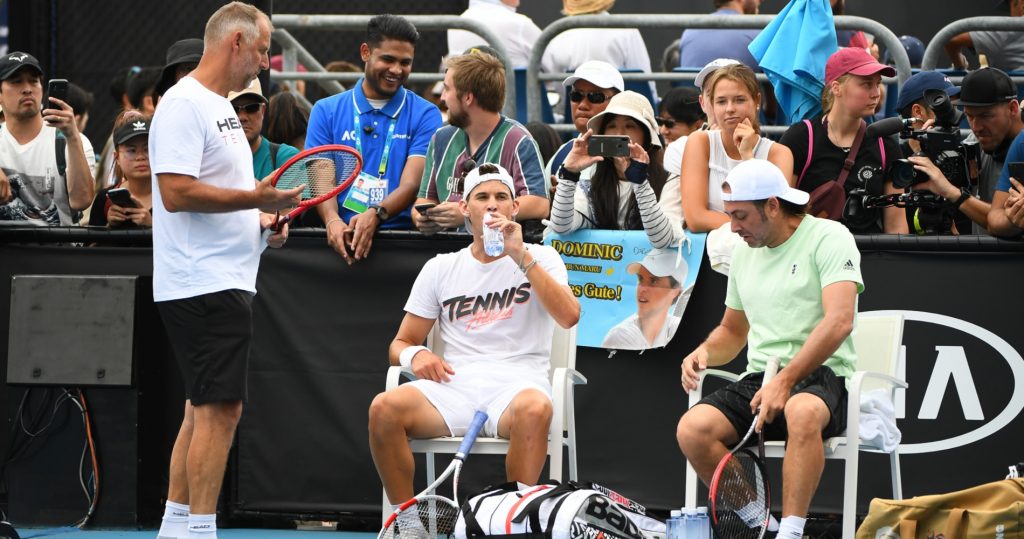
<point>710,155</point>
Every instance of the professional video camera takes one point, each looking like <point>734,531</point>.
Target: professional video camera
<point>942,144</point>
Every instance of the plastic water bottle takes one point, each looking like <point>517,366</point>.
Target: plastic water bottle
<point>494,240</point>
<point>674,524</point>
<point>705,523</point>
<point>692,524</point>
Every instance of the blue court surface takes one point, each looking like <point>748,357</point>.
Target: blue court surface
<point>226,533</point>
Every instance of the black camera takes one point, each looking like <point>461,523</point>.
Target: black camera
<point>942,144</point>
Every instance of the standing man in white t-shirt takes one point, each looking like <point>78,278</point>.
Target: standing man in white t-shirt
<point>206,251</point>
<point>35,184</point>
<point>497,317</point>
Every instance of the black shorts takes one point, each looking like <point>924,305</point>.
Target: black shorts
<point>210,336</point>
<point>733,400</point>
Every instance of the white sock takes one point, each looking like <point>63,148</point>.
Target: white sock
<point>175,522</point>
<point>202,526</point>
<point>792,527</point>
<point>773,525</point>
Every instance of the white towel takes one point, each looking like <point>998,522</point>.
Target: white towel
<point>878,420</point>
<point>720,243</point>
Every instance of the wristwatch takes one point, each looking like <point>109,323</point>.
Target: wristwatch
<point>382,212</point>
<point>965,194</point>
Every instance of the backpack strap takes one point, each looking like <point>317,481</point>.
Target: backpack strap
<point>852,156</point>
<point>810,150</point>
<point>59,146</point>
<point>273,154</point>
<point>881,149</point>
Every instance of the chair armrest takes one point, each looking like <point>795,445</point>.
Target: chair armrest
<point>395,374</point>
<point>893,381</point>
<point>698,393</point>
<point>562,375</point>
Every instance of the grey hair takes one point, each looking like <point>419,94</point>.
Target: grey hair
<point>236,16</point>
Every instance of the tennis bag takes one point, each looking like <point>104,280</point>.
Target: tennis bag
<point>569,510</point>
<point>989,510</point>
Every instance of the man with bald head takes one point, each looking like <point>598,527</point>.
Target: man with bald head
<point>206,251</point>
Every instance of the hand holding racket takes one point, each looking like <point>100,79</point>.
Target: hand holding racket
<point>323,172</point>
<point>429,514</point>
<point>739,497</point>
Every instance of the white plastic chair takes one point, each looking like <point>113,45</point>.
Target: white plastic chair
<point>563,419</point>
<point>877,339</point>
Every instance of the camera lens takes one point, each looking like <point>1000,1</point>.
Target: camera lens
<point>902,173</point>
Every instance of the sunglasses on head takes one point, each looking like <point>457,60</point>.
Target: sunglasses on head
<point>594,97</point>
<point>667,122</point>
<point>251,108</point>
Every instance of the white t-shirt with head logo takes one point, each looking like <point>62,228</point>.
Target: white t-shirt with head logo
<point>491,320</point>
<point>196,132</point>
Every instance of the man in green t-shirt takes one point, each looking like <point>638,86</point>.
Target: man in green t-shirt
<point>792,294</point>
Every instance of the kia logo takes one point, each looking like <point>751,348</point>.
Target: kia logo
<point>951,378</point>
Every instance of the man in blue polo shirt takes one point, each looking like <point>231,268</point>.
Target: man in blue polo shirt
<point>390,126</point>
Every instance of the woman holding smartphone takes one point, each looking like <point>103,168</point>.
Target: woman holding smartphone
<point>129,202</point>
<point>622,192</point>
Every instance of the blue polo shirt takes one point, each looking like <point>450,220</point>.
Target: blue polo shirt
<point>332,122</point>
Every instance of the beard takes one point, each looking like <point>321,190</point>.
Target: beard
<point>458,118</point>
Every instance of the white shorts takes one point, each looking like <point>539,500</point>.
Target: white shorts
<point>458,400</point>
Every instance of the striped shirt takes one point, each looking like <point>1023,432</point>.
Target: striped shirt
<point>509,145</point>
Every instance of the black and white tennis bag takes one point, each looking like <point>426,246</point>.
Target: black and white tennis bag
<point>554,511</point>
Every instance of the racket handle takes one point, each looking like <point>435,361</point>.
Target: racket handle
<point>471,433</point>
<point>770,370</point>
<point>279,223</point>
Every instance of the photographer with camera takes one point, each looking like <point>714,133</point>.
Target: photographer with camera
<point>940,199</point>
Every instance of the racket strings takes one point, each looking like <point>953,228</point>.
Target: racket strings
<point>320,172</point>
<point>431,517</point>
<point>741,499</point>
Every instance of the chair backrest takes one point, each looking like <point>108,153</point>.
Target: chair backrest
<point>877,338</point>
<point>563,346</point>
<point>546,114</point>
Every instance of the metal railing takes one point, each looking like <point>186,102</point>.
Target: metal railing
<point>883,36</point>
<point>358,22</point>
<point>935,50</point>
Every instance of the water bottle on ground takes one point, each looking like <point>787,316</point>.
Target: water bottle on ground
<point>705,523</point>
<point>691,528</point>
<point>494,240</point>
<point>673,525</point>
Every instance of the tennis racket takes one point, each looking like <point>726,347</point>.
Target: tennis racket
<point>324,170</point>
<point>429,514</point>
<point>739,497</point>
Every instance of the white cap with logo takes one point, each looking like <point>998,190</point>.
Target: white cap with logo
<point>661,263</point>
<point>475,178</point>
<point>710,68</point>
<point>758,179</point>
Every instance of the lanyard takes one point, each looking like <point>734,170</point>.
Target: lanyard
<point>387,142</point>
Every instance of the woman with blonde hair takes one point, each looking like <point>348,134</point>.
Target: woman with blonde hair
<point>735,98</point>
<point>823,145</point>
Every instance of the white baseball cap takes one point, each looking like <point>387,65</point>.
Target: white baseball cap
<point>475,178</point>
<point>661,263</point>
<point>758,179</point>
<point>710,67</point>
<point>598,73</point>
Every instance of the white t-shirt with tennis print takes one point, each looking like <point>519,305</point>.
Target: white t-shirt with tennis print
<point>491,320</point>
<point>196,133</point>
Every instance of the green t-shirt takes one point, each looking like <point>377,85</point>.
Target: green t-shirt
<point>779,291</point>
<point>261,165</point>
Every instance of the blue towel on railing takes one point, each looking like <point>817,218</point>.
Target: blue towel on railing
<point>792,51</point>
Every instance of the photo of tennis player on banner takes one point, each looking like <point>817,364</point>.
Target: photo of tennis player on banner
<point>632,295</point>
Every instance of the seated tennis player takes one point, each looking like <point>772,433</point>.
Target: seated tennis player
<point>792,294</point>
<point>497,317</point>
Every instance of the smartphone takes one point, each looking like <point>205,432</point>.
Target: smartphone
<point>609,145</point>
<point>424,207</point>
<point>57,88</point>
<point>121,197</point>
<point>1017,170</point>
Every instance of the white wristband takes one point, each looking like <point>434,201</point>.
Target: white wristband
<point>405,356</point>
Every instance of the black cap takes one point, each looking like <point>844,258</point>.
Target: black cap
<point>185,51</point>
<point>131,130</point>
<point>12,62</point>
<point>986,86</point>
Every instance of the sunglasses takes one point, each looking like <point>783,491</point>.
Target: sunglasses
<point>594,97</point>
<point>251,108</point>
<point>667,122</point>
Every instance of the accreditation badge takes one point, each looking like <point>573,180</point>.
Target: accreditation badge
<point>365,192</point>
